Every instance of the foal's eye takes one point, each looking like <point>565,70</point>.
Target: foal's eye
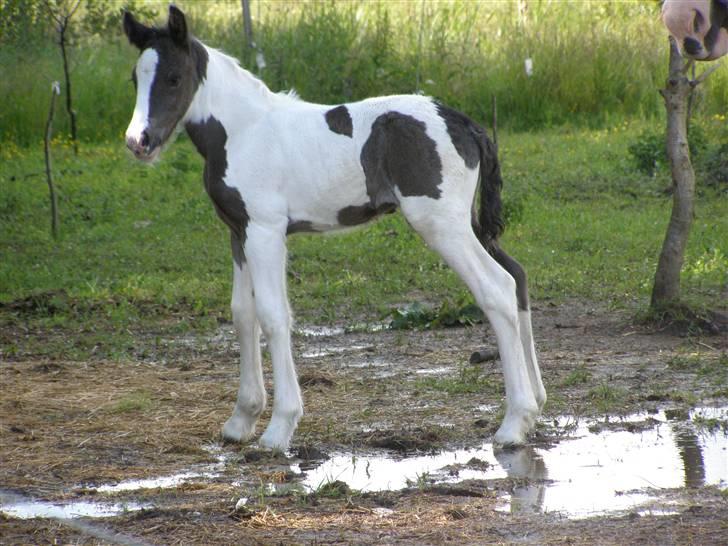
<point>174,80</point>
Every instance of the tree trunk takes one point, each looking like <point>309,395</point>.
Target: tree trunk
<point>55,91</point>
<point>67,74</point>
<point>666,290</point>
<point>247,25</point>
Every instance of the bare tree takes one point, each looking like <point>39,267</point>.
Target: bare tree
<point>247,24</point>
<point>61,11</point>
<point>677,91</point>
<point>55,91</point>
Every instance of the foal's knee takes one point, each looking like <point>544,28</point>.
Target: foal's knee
<point>274,320</point>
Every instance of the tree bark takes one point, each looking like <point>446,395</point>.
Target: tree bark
<point>247,24</point>
<point>666,289</point>
<point>55,91</point>
<point>66,72</point>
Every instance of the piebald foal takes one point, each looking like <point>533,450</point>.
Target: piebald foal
<point>275,165</point>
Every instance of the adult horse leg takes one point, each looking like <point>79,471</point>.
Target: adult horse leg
<point>494,290</point>
<point>265,251</point>
<point>524,318</point>
<point>251,391</point>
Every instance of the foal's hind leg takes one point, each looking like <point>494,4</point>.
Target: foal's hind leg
<point>524,314</point>
<point>495,291</point>
<point>251,391</point>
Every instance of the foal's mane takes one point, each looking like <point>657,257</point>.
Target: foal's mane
<point>233,65</point>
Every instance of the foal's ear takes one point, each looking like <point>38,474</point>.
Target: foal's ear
<point>138,34</point>
<point>177,25</point>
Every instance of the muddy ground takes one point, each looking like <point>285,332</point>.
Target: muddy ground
<point>70,431</point>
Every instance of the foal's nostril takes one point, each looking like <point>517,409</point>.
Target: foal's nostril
<point>145,140</point>
<point>692,46</point>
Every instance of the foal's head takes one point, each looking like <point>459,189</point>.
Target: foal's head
<point>171,67</point>
<point>699,26</point>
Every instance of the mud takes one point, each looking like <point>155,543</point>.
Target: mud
<point>393,448</point>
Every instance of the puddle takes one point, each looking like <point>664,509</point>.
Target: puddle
<point>28,509</point>
<point>210,471</point>
<point>320,331</point>
<point>329,331</point>
<point>21,507</point>
<point>328,350</point>
<point>440,370</point>
<point>593,472</point>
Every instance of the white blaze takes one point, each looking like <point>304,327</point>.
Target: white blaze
<point>145,69</point>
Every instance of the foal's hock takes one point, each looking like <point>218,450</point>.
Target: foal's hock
<point>276,165</point>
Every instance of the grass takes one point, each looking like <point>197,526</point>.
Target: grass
<point>132,402</point>
<point>594,62</point>
<point>141,252</point>
<point>578,376</point>
<point>469,381</point>
<point>607,398</point>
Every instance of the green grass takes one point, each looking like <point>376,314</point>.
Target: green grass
<point>607,398</point>
<point>470,380</point>
<point>594,62</point>
<point>578,376</point>
<point>142,253</point>
<point>135,401</point>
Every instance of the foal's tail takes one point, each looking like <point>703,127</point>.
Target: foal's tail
<point>488,224</point>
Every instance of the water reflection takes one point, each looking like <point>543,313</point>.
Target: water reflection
<point>524,464</point>
<point>600,468</point>
<point>610,470</point>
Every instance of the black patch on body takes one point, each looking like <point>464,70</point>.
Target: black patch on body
<point>360,214</point>
<point>464,134</point>
<point>399,153</point>
<point>209,138</point>
<point>300,226</point>
<point>339,121</point>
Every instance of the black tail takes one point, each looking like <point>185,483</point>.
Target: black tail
<point>488,225</point>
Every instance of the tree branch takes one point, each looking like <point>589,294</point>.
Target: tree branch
<point>706,73</point>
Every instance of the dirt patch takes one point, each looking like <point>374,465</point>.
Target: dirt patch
<point>70,429</point>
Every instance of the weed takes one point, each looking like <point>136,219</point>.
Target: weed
<point>715,167</point>
<point>135,401</point>
<point>648,152</point>
<point>606,397</point>
<point>335,489</point>
<point>421,481</point>
<point>416,316</point>
<point>709,424</point>
<point>470,380</point>
<point>578,376</point>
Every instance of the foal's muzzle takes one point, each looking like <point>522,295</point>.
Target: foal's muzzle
<point>143,148</point>
<point>692,47</point>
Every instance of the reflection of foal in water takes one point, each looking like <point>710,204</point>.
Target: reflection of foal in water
<point>275,165</point>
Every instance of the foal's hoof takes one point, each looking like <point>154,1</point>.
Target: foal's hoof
<point>508,439</point>
<point>514,430</point>
<point>236,430</point>
<point>280,430</point>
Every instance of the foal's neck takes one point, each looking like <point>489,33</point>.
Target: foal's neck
<point>230,94</point>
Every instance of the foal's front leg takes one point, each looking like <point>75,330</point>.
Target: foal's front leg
<point>251,392</point>
<point>265,250</point>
